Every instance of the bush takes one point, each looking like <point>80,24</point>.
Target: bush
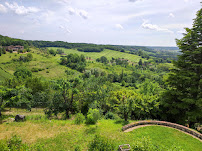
<point>79,119</point>
<point>110,115</point>
<point>77,148</point>
<point>100,143</point>
<point>146,144</point>
<point>15,143</point>
<point>93,116</point>
<point>34,69</point>
<point>3,145</point>
<point>11,51</point>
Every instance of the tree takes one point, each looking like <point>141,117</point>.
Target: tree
<point>183,101</point>
<point>140,62</point>
<point>3,98</point>
<point>126,107</point>
<point>22,73</point>
<point>64,97</point>
<point>0,51</point>
<point>23,98</point>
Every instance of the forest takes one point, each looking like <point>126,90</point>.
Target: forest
<point>68,79</point>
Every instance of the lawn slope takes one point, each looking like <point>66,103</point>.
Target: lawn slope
<point>65,135</point>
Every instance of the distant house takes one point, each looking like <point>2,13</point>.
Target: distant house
<point>15,48</point>
<point>63,54</point>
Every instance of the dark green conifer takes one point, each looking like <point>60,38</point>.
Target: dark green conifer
<point>183,101</point>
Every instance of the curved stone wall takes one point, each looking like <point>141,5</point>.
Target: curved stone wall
<point>169,124</point>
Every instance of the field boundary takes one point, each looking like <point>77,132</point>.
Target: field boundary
<point>163,123</point>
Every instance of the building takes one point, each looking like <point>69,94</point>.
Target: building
<point>15,48</point>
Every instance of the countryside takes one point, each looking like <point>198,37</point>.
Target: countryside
<point>60,91</point>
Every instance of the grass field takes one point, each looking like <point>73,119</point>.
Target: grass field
<point>4,75</point>
<point>50,65</point>
<point>51,68</point>
<point>65,135</point>
<point>107,53</point>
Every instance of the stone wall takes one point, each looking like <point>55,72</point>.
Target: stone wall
<point>169,124</point>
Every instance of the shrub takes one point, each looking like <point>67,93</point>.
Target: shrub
<point>79,119</point>
<point>110,115</point>
<point>15,143</point>
<point>100,143</point>
<point>77,148</point>
<point>34,69</point>
<point>145,144</point>
<point>11,51</point>
<point>93,116</point>
<point>3,145</point>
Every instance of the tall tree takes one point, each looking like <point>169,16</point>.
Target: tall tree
<point>183,101</point>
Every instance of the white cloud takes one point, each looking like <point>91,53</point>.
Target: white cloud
<point>175,26</point>
<point>83,14</point>
<point>63,1</point>
<point>21,10</point>
<point>71,11</point>
<point>65,29</point>
<point>78,12</point>
<point>134,0</point>
<point>171,15</point>
<point>47,16</point>
<point>119,26</point>
<point>181,31</point>
<point>2,9</point>
<point>146,25</point>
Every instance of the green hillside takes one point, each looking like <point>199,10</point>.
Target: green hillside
<point>4,75</point>
<point>51,135</point>
<point>50,67</point>
<point>107,53</point>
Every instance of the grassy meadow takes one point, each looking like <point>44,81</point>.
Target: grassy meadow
<point>65,135</point>
<point>51,69</point>
<point>107,53</point>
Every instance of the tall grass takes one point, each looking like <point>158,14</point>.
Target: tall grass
<point>55,134</point>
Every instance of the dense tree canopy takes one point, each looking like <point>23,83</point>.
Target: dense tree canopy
<point>183,101</point>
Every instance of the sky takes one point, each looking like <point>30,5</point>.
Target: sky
<point>117,22</point>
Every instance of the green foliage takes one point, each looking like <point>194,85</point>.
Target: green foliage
<point>27,58</point>
<point>91,49</point>
<point>15,143</point>
<point>125,107</point>
<point>149,88</point>
<point>23,98</point>
<point>102,59</point>
<point>140,62</point>
<point>101,143</point>
<point>52,52</point>
<point>144,144</point>
<point>110,115</point>
<point>4,96</point>
<point>59,51</point>
<point>93,116</point>
<point>7,41</point>
<point>79,119</point>
<point>23,73</point>
<point>74,61</point>
<point>182,102</point>
<point>77,148</point>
